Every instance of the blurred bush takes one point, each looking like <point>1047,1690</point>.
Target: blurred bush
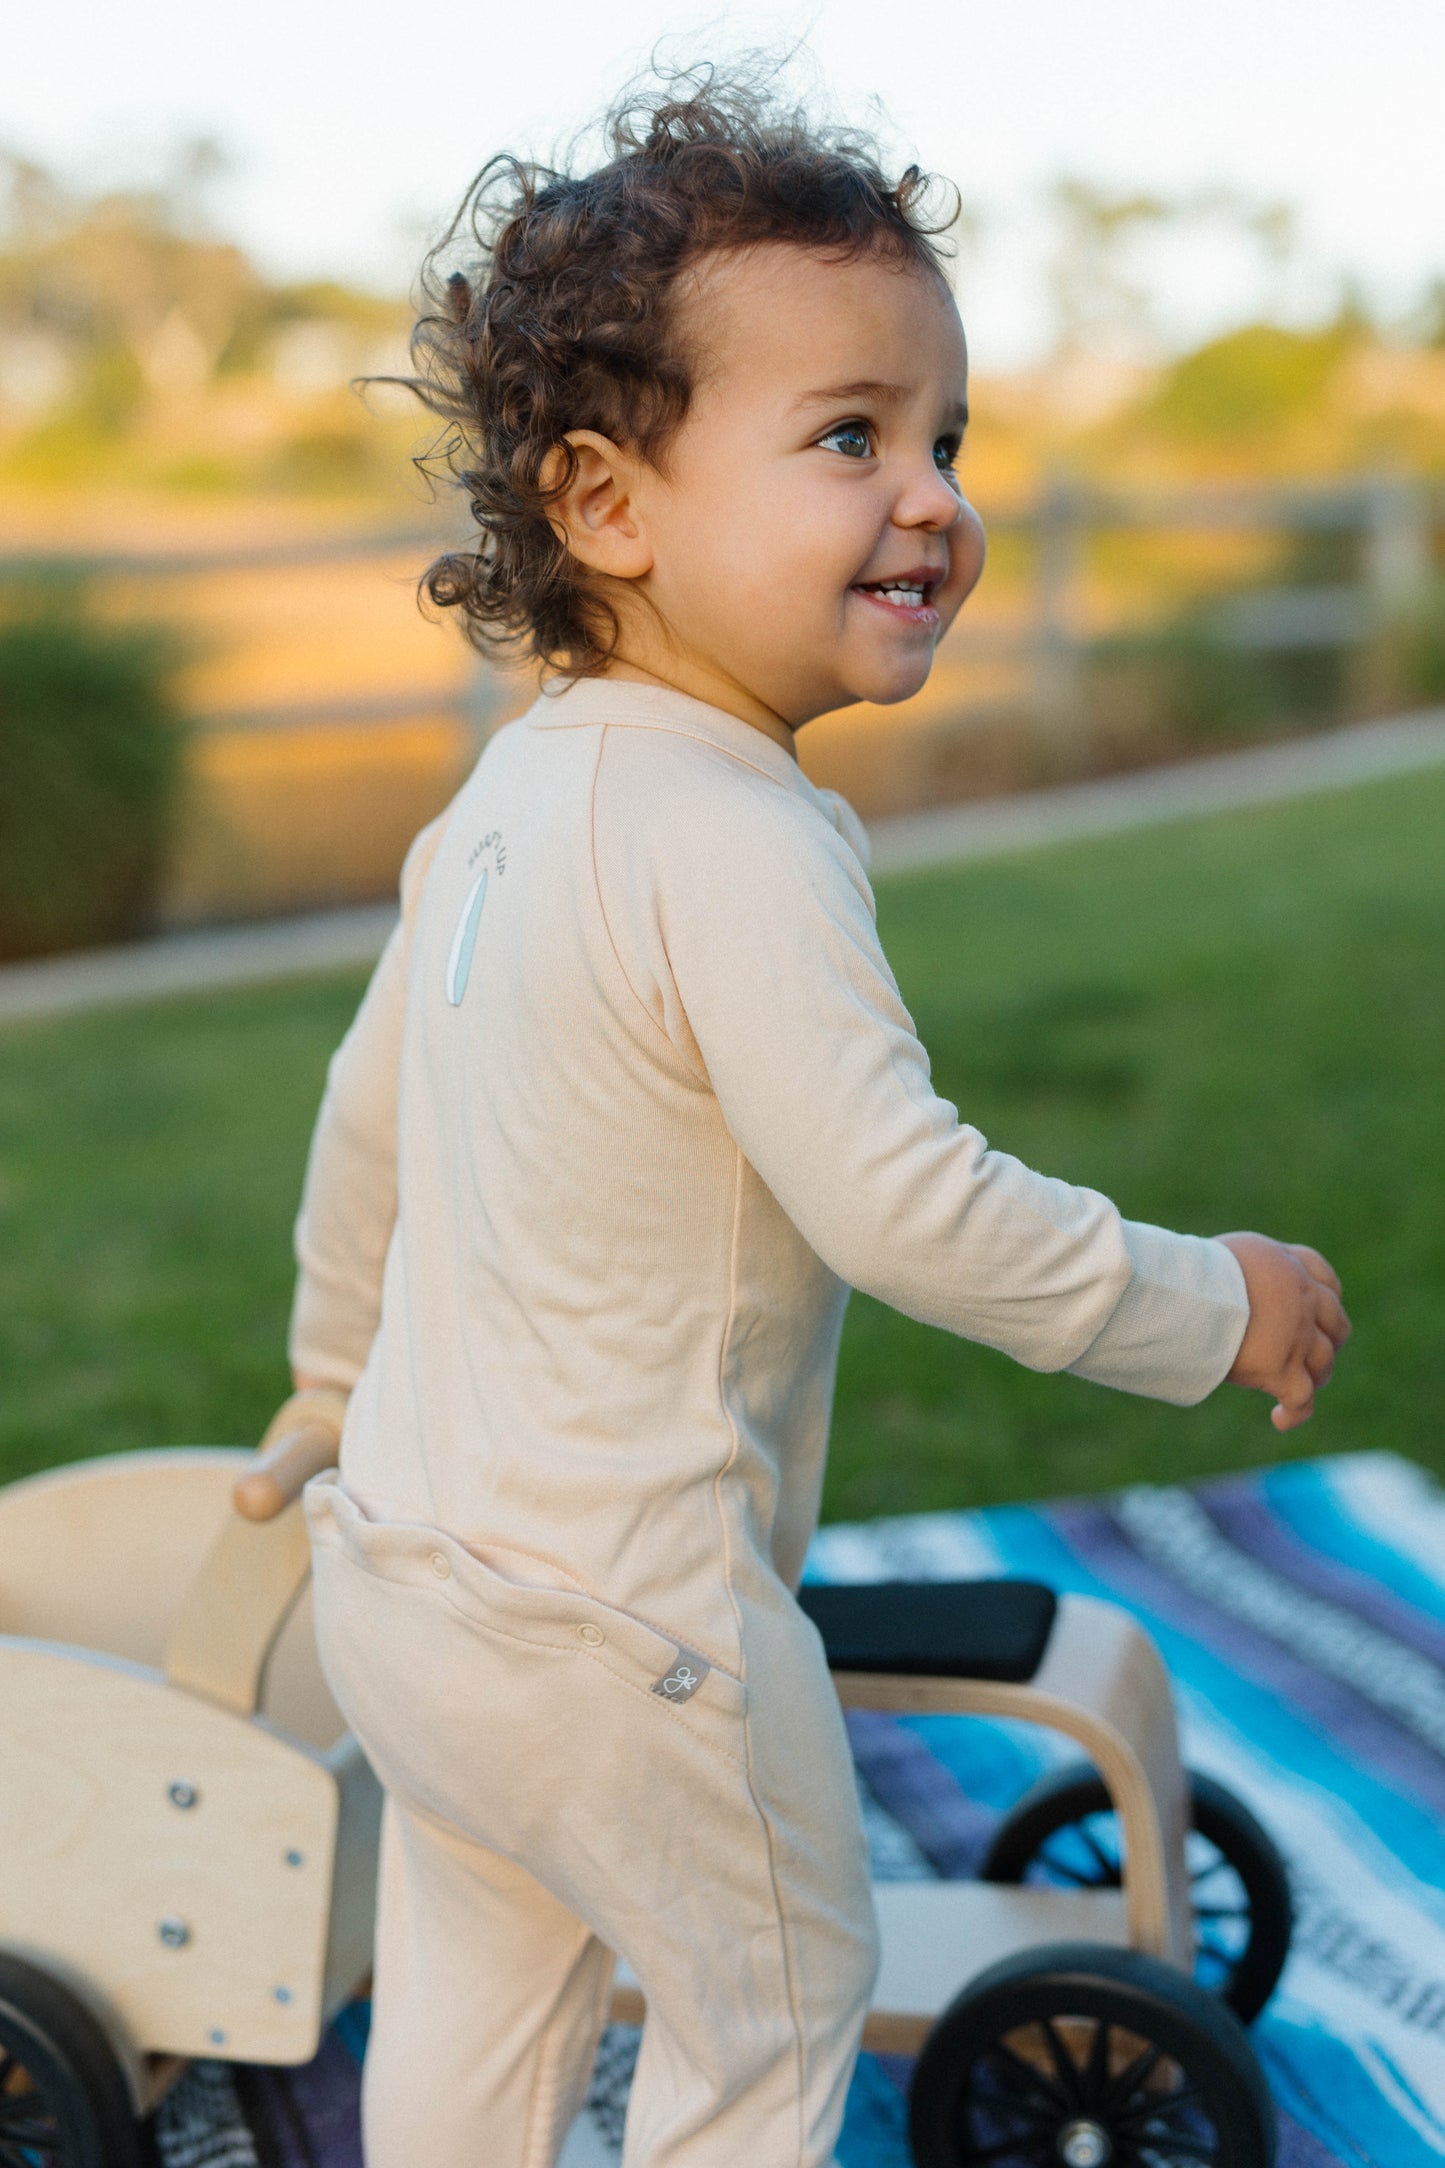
<point>90,754</point>
<point>1189,682</point>
<point>1422,643</point>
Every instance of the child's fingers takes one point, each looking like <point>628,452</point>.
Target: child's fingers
<point>1289,1413</point>
<point>1296,1390</point>
<point>1319,1268</point>
<point>1331,1317</point>
<point>1320,1361</point>
<point>1307,1372</point>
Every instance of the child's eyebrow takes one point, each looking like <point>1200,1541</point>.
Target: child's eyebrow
<point>885,394</point>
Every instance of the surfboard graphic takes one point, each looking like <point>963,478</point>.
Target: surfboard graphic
<point>464,940</point>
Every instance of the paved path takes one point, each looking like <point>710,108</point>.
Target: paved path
<point>195,963</point>
<point>187,963</point>
<point>1267,775</point>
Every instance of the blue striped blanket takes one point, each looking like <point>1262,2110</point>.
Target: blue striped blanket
<point>1302,1613</point>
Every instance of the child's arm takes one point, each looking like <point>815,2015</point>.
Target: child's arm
<point>348,1204</point>
<point>747,927</point>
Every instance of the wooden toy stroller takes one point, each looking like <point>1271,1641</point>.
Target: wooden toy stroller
<point>188,1839</point>
<point>188,1833</point>
<point>1130,1919</point>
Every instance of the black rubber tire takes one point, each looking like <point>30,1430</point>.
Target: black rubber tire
<point>64,2102</point>
<point>1096,1991</point>
<point>1066,1797</point>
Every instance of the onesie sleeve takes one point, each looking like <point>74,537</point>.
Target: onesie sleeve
<point>763,964</point>
<point>348,1200</point>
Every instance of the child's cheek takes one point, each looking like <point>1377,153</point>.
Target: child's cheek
<point>968,552</point>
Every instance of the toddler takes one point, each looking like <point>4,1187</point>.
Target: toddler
<point>631,1102</point>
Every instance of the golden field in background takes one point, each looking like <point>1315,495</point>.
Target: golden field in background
<point>332,716</point>
<point>297,820</point>
<point>163,404</point>
<point>293,814</point>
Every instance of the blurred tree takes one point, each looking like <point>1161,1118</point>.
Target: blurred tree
<point>118,269</point>
<point>1098,273</point>
<point>1253,381</point>
<point>1428,323</point>
<point>1096,299</point>
<point>122,311</point>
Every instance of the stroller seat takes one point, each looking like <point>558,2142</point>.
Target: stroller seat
<point>935,1629</point>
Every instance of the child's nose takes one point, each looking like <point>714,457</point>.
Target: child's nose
<point>931,500</point>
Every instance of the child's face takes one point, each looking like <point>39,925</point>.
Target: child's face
<point>814,467</point>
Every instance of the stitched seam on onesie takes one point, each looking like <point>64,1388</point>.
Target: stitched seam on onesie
<point>550,1648</point>
<point>546,2087</point>
<point>694,737</point>
<point>606,922</point>
<point>468,1611</point>
<point>665,1633</point>
<point>758,1807</point>
<point>645,1693</point>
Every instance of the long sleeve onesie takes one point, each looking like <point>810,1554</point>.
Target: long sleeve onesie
<point>631,1102</point>
<point>604,1190</point>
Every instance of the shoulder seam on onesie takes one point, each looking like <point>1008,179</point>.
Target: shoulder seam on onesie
<point>728,752</point>
<point>606,922</point>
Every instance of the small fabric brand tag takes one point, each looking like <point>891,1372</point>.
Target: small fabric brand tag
<point>685,1677</point>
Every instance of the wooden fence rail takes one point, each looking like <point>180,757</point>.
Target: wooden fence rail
<point>1394,523</point>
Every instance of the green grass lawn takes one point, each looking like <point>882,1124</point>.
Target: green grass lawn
<point>1238,1022</point>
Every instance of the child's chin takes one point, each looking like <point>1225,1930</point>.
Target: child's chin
<point>885,688</point>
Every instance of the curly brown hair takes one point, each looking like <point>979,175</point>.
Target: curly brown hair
<point>562,317</point>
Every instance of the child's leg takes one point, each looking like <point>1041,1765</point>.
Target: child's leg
<point>488,2002</point>
<point>760,1970</point>
<point>712,1838</point>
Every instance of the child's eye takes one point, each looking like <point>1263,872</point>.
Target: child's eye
<point>945,453</point>
<point>852,439</point>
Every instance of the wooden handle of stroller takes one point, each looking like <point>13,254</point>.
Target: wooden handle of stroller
<point>304,1437</point>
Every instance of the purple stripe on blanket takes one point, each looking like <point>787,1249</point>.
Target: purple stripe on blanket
<point>272,2119</point>
<point>914,1787</point>
<point>309,2117</point>
<point>1241,1514</point>
<point>1299,2148</point>
<point>326,2094</point>
<point>1355,1727</point>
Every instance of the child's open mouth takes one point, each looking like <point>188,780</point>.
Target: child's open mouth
<point>908,595</point>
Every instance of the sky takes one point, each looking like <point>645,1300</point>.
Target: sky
<point>352,128</point>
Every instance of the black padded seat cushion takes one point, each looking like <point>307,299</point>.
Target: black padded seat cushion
<point>935,1629</point>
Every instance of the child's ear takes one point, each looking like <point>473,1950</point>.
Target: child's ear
<point>596,514</point>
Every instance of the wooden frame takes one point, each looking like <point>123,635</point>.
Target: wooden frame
<point>188,1833</point>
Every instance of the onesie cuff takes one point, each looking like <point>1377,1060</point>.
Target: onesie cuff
<point>1176,1328</point>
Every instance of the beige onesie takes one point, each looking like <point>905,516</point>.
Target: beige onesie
<point>631,1101</point>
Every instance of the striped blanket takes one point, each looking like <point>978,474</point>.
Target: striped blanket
<point>1302,1613</point>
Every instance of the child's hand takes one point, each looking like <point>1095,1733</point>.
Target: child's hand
<point>1296,1323</point>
